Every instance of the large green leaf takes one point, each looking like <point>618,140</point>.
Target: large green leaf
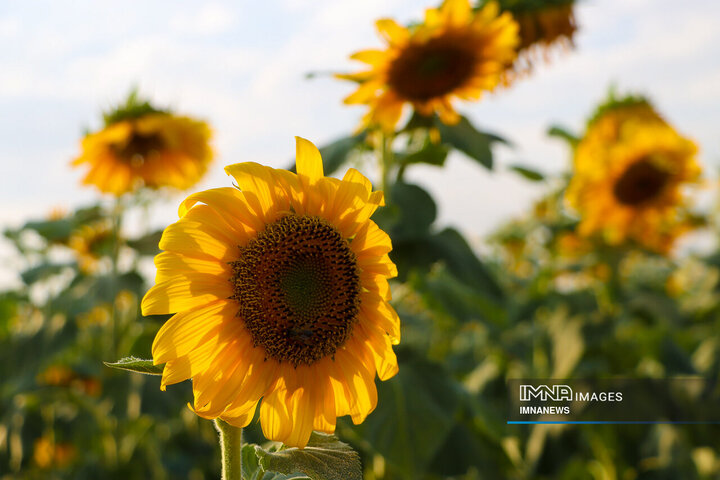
<point>430,154</point>
<point>335,154</point>
<point>416,211</point>
<point>415,413</point>
<point>465,137</point>
<point>251,469</point>
<point>460,259</point>
<point>43,271</point>
<point>324,458</point>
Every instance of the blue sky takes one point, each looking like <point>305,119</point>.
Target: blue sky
<point>241,66</point>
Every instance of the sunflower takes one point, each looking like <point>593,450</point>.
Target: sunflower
<point>455,52</point>
<point>543,26</point>
<point>630,171</point>
<point>143,146</point>
<point>90,243</point>
<point>280,293</point>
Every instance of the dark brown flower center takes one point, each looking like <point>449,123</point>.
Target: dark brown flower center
<point>298,288</point>
<point>640,182</point>
<point>139,148</point>
<point>429,70</point>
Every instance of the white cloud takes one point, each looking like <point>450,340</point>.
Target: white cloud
<point>210,19</point>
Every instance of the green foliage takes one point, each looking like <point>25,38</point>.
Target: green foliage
<point>564,134</point>
<point>528,173</point>
<point>135,106</point>
<point>324,458</point>
<point>465,137</point>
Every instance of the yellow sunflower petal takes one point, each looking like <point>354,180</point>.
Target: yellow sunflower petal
<point>308,160</point>
<point>227,201</point>
<point>393,33</point>
<point>185,292</point>
<point>185,330</point>
<point>275,418</point>
<point>261,188</point>
<point>195,239</point>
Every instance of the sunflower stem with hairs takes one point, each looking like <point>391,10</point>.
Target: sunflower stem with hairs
<point>230,449</point>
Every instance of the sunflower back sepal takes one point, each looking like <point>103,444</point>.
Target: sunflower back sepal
<point>324,458</point>
<point>134,106</point>
<point>564,134</point>
<point>138,365</point>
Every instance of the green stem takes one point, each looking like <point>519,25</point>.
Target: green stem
<point>116,225</point>
<point>230,444</point>
<point>385,160</point>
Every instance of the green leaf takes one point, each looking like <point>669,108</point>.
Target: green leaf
<point>335,154</point>
<point>430,154</point>
<point>324,458</point>
<point>528,173</point>
<point>251,469</point>
<point>147,244</point>
<point>44,270</point>
<point>51,230</point>
<point>138,365</point>
<point>463,263</point>
<point>465,137</point>
<point>564,134</point>
<point>417,211</point>
<point>416,411</point>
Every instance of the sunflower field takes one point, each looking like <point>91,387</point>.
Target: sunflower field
<point>318,315</point>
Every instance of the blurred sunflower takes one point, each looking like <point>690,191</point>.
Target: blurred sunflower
<point>543,25</point>
<point>48,454</point>
<point>281,293</point>
<point>90,243</point>
<point>455,52</point>
<point>141,146</point>
<point>629,172</point>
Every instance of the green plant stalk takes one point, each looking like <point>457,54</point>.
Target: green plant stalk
<point>230,445</point>
<point>385,160</point>
<point>116,224</point>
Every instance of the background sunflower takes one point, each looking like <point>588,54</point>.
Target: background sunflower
<point>630,169</point>
<point>141,146</point>
<point>454,52</point>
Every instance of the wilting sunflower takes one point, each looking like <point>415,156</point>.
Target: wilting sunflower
<point>455,52</point>
<point>630,171</point>
<point>544,26</point>
<point>142,146</point>
<point>280,293</point>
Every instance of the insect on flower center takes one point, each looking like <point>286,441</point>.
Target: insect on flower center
<point>139,148</point>
<point>433,69</point>
<point>640,182</point>
<point>298,289</point>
